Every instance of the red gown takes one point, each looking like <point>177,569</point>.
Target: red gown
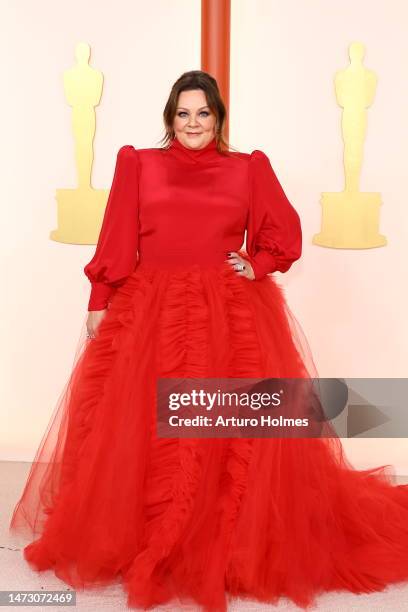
<point>202,519</point>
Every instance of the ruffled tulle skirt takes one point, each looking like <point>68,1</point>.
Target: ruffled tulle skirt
<point>205,519</point>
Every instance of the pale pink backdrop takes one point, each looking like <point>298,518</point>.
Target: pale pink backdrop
<point>352,305</point>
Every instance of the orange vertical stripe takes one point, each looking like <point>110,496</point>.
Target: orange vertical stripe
<point>215,45</point>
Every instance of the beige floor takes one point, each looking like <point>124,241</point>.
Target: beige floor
<point>16,575</point>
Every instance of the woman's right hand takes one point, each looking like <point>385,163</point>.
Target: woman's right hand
<point>93,321</point>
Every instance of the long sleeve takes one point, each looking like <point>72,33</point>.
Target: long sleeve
<point>274,234</point>
<point>116,252</point>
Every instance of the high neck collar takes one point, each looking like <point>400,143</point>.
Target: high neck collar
<point>208,151</point>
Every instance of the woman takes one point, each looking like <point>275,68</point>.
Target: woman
<point>174,296</point>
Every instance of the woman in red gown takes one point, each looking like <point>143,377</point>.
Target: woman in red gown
<point>201,519</point>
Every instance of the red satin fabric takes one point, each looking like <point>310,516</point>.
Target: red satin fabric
<point>199,520</point>
<point>176,205</point>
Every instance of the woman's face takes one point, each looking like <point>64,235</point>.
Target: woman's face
<point>194,122</point>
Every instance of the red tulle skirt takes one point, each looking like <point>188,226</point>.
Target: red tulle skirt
<point>206,519</point>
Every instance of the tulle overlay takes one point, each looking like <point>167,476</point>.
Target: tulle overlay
<point>206,519</point>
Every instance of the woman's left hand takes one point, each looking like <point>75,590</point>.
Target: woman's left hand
<point>234,258</point>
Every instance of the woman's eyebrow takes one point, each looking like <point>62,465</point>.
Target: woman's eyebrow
<point>184,108</point>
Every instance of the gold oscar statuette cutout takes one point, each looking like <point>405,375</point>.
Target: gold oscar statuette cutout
<point>350,218</point>
<point>80,211</point>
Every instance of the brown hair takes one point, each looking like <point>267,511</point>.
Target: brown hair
<point>196,79</point>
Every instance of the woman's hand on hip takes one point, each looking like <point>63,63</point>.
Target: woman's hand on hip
<point>93,321</point>
<point>234,259</point>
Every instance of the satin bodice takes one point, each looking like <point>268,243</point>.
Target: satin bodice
<point>178,206</point>
<point>193,204</point>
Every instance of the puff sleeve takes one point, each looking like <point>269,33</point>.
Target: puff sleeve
<point>274,234</point>
<point>116,255</point>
